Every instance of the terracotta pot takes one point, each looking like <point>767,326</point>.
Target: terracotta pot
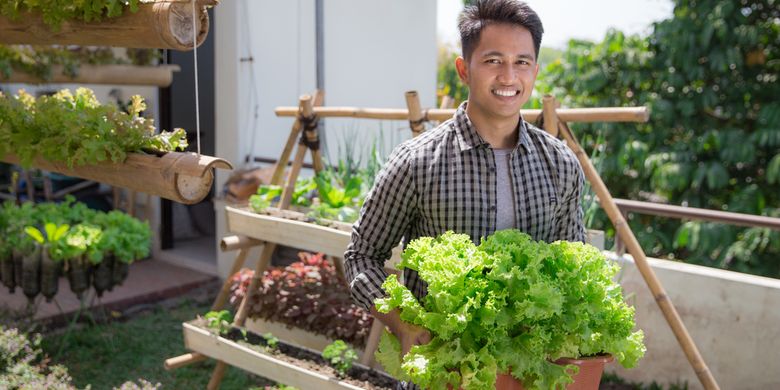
<point>587,378</point>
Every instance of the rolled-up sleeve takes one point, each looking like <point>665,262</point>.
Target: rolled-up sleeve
<point>385,217</point>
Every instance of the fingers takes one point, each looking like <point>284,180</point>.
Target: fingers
<point>424,337</point>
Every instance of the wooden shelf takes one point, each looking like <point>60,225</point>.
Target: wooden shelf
<point>181,177</point>
<point>291,335</point>
<point>294,233</point>
<point>162,24</point>
<point>160,76</point>
<point>235,354</point>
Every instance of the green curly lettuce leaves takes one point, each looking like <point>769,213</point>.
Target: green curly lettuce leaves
<point>509,304</point>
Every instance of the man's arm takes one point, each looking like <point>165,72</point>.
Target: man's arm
<point>570,225</point>
<point>386,215</point>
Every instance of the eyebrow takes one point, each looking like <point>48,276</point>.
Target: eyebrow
<point>524,56</point>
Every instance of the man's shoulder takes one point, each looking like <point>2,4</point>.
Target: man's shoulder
<point>557,148</point>
<point>428,140</point>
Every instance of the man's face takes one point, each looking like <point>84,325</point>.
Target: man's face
<point>501,71</point>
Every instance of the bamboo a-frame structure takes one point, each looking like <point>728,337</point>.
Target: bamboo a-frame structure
<point>161,24</point>
<point>554,121</point>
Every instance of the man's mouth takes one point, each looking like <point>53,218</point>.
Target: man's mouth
<point>506,92</point>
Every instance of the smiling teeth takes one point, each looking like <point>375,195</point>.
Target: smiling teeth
<point>505,93</point>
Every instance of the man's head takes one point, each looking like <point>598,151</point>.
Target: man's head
<point>501,41</point>
<point>475,17</point>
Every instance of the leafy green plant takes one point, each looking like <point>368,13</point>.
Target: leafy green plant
<point>219,321</point>
<point>22,365</point>
<point>509,304</point>
<point>340,355</point>
<point>54,13</point>
<point>77,129</point>
<point>271,340</point>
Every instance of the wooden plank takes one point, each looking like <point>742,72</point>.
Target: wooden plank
<point>291,335</point>
<point>162,24</point>
<point>256,362</point>
<point>160,76</point>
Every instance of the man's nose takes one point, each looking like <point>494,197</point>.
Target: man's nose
<point>507,74</point>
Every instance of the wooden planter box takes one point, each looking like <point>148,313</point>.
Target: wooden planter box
<point>291,335</point>
<point>234,354</point>
<point>293,233</point>
<point>181,177</point>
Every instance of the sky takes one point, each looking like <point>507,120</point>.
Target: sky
<point>566,19</point>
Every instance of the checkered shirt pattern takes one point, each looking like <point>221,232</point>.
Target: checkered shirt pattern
<point>445,179</point>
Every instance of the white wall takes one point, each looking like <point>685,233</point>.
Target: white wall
<point>375,50</point>
<point>731,317</point>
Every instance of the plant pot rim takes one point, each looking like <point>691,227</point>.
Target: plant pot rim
<point>601,358</point>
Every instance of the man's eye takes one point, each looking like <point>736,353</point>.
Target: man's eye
<point>493,61</point>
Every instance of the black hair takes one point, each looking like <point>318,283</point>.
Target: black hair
<point>475,17</point>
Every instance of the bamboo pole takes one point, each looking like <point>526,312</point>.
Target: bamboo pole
<point>306,110</point>
<point>599,114</point>
<point>447,102</point>
<point>160,76</point>
<point>181,177</point>
<point>416,118</point>
<point>232,243</point>
<point>627,236</point>
<point>548,112</point>
<point>276,179</point>
<point>162,24</point>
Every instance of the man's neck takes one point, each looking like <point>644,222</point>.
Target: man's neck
<point>500,134</point>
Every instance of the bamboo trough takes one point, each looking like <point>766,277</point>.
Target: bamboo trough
<point>162,24</point>
<point>159,76</point>
<point>601,114</point>
<point>181,177</point>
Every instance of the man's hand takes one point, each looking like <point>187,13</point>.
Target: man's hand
<point>408,334</point>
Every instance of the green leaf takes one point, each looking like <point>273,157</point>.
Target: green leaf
<point>35,234</point>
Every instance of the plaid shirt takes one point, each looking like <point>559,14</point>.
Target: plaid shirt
<point>445,179</point>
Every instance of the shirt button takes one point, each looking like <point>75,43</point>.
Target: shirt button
<point>492,169</point>
<point>492,207</point>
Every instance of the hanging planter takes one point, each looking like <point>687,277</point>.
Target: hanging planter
<point>101,274</point>
<point>159,76</point>
<point>31,273</point>
<point>7,273</point>
<point>79,275</point>
<point>181,177</point>
<point>50,274</point>
<point>164,24</point>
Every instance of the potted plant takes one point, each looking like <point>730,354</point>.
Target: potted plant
<point>50,255</point>
<point>82,247</point>
<point>511,306</point>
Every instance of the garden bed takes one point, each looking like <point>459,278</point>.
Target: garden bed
<point>287,364</point>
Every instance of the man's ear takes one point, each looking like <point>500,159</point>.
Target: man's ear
<point>462,68</point>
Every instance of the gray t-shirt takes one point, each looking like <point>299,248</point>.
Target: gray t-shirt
<point>505,199</point>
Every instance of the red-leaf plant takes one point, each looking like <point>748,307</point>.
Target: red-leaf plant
<point>307,294</point>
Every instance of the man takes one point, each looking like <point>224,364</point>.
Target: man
<point>483,170</point>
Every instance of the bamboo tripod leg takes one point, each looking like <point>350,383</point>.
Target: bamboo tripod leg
<point>295,132</point>
<point>243,309</point>
<point>372,342</point>
<point>627,236</point>
<point>219,303</point>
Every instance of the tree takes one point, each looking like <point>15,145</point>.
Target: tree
<point>710,77</point>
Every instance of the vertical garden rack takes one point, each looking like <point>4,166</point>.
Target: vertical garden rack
<point>268,230</point>
<point>163,24</point>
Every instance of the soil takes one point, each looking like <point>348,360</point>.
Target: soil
<point>359,375</point>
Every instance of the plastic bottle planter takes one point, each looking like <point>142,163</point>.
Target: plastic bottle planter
<point>7,273</point>
<point>79,275</point>
<point>31,273</point>
<point>50,274</point>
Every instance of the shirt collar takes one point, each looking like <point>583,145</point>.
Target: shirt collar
<point>467,135</point>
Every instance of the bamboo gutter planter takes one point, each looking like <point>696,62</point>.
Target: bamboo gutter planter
<point>605,114</point>
<point>162,24</point>
<point>159,76</point>
<point>181,177</point>
<point>235,354</point>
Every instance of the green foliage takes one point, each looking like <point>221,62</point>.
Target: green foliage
<point>54,12</point>
<point>340,355</point>
<point>709,75</point>
<point>22,366</point>
<point>73,230</point>
<point>77,129</point>
<point>271,340</point>
<point>39,61</point>
<point>509,303</point>
<point>219,321</point>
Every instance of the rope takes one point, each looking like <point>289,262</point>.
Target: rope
<point>309,136</point>
<point>195,55</point>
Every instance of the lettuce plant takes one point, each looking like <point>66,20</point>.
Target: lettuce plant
<point>510,304</point>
